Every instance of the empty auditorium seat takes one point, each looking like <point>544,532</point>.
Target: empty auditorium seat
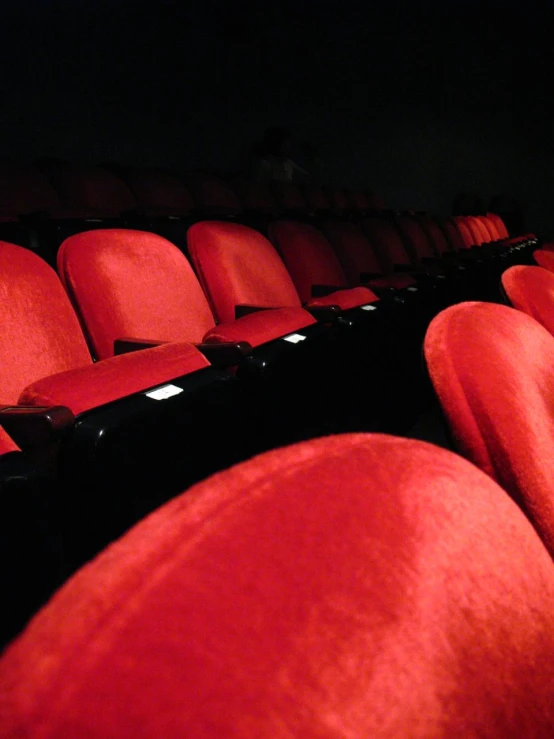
<point>316,199</point>
<point>358,201</point>
<point>159,193</point>
<point>125,417</point>
<point>531,290</point>
<point>338,200</point>
<point>354,586</point>
<point>492,368</point>
<point>212,195</point>
<point>255,197</point>
<point>499,224</point>
<point>544,258</point>
<point>314,267</point>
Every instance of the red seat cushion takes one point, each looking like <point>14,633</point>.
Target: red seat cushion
<point>346,299</point>
<point>6,443</point>
<point>351,586</point>
<point>262,326</point>
<point>531,290</point>
<point>114,378</point>
<point>545,258</point>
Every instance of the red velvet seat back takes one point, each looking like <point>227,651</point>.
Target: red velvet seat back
<point>289,197</point>
<point>531,290</point>
<point>39,331</point>
<point>416,237</point>
<point>453,232</point>
<point>348,587</point>
<point>358,200</point>
<point>24,189</point>
<point>478,227</point>
<point>435,234</point>
<point>338,200</point>
<point>545,258</point>
<point>353,250</point>
<point>238,266</point>
<point>132,283</point>
<point>490,228</point>
<point>316,198</point>
<point>386,241</point>
<point>211,194</point>
<point>493,370</point>
<point>90,190</point>
<point>308,256</point>
<point>474,229</point>
<point>375,201</point>
<point>465,232</point>
<point>500,225</point>
<point>254,196</point>
<point>159,192</point>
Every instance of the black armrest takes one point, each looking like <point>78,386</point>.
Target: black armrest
<point>130,344</point>
<point>244,310</point>
<point>32,426</point>
<point>320,291</point>
<point>324,313</point>
<point>225,354</point>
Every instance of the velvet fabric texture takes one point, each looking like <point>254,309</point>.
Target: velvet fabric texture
<point>90,189</point>
<point>310,260</point>
<point>545,258</point>
<point>348,587</point>
<point>386,241</point>
<point>97,384</point>
<point>6,443</point>
<point>500,225</point>
<point>23,189</point>
<point>454,236</point>
<point>465,232</point>
<point>435,234</point>
<point>416,237</point>
<point>490,227</point>
<point>531,290</point>
<point>158,192</point>
<point>211,194</point>
<point>357,256</point>
<point>262,326</point>
<point>238,266</point>
<point>289,197</point>
<point>492,368</point>
<point>39,331</point>
<point>479,233</point>
<point>132,283</point>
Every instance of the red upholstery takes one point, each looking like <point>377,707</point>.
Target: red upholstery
<point>545,258</point>
<point>416,237</point>
<point>91,190</point>
<point>23,189</point>
<point>493,370</point>
<point>6,443</point>
<point>159,192</point>
<point>211,194</point>
<point>357,256</point>
<point>132,283</point>
<point>316,198</point>
<point>466,234</point>
<point>500,225</point>
<point>413,600</point>
<point>375,201</point>
<point>358,200</point>
<point>490,227</point>
<point>310,260</point>
<point>96,384</point>
<point>435,234</point>
<point>39,332</point>
<point>386,240</point>
<point>262,326</point>
<point>474,228</point>
<point>531,290</point>
<point>254,196</point>
<point>289,197</point>
<point>238,266</point>
<point>338,200</point>
<point>453,232</point>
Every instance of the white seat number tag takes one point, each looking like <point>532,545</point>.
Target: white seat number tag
<point>165,392</point>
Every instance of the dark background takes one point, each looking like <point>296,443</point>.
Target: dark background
<point>417,101</point>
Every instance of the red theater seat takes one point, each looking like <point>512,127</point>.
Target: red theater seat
<point>531,290</point>
<point>499,224</point>
<point>255,197</point>
<point>544,258</point>
<point>159,193</point>
<point>355,586</point>
<point>316,199</point>
<point>212,195</point>
<point>289,197</point>
<point>127,283</point>
<point>493,370</point>
<point>24,190</point>
<point>312,264</point>
<point>338,200</point>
